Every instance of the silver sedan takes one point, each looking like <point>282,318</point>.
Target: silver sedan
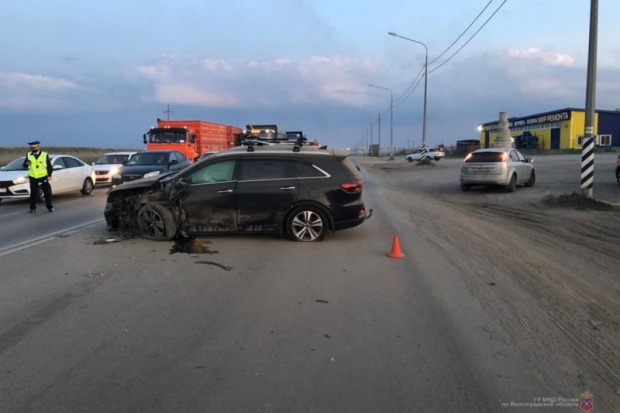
<point>505,167</point>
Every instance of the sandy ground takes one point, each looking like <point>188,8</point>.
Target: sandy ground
<point>548,275</point>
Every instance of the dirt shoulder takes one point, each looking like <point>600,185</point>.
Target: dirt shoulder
<point>549,274</point>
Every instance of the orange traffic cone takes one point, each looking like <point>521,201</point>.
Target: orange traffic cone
<point>396,253</point>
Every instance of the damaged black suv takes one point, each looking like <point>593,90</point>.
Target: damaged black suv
<point>301,191</point>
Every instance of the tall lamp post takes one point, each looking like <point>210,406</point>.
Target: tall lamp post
<point>425,84</point>
<point>379,109</point>
<point>391,119</point>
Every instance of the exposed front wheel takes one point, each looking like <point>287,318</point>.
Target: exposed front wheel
<point>87,187</point>
<point>156,222</point>
<point>306,224</point>
<point>532,179</point>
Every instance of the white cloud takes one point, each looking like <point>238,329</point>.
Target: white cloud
<point>538,56</point>
<point>260,83</point>
<point>34,92</point>
<point>23,80</point>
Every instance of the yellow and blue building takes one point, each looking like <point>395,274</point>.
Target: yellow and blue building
<point>560,129</point>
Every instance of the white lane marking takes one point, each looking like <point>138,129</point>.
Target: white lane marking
<point>14,213</point>
<point>46,238</point>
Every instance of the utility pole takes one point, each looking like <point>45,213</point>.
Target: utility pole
<point>379,109</point>
<point>168,112</point>
<point>587,146</point>
<point>391,119</point>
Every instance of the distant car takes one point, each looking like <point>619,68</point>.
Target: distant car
<point>109,164</point>
<point>618,170</point>
<point>150,163</point>
<point>70,174</point>
<point>206,155</point>
<point>497,166</point>
<point>432,153</point>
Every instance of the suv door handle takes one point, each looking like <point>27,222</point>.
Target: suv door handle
<point>287,188</point>
<point>225,191</point>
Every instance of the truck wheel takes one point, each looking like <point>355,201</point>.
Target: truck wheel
<point>156,222</point>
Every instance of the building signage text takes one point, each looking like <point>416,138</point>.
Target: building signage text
<point>537,120</point>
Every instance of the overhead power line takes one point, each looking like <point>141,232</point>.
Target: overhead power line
<point>470,39</point>
<point>462,34</point>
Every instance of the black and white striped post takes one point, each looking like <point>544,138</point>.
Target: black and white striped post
<point>587,165</point>
<point>587,146</point>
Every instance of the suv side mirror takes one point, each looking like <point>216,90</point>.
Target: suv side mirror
<point>529,160</point>
<point>124,163</point>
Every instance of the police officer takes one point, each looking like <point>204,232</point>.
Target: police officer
<point>40,173</point>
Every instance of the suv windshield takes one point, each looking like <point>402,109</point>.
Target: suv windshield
<point>149,159</point>
<point>16,165</point>
<point>112,159</point>
<point>485,157</point>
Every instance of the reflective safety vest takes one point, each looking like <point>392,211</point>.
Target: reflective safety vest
<point>38,167</point>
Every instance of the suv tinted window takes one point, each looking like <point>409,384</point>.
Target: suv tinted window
<point>254,169</point>
<point>297,169</point>
<point>351,170</point>
<point>71,163</point>
<point>215,172</point>
<point>485,157</point>
<point>180,156</point>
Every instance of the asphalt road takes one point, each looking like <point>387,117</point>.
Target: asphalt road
<point>327,327</point>
<point>71,211</point>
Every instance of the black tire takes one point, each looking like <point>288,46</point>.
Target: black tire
<point>512,185</point>
<point>409,160</point>
<point>306,224</point>
<point>530,183</point>
<point>87,187</point>
<point>40,196</point>
<point>156,222</point>
<point>465,187</point>
<point>437,158</point>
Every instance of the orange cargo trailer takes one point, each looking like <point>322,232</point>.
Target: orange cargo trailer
<point>190,137</point>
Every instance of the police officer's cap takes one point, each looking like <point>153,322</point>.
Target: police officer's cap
<point>34,143</point>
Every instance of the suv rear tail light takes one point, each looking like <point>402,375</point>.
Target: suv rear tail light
<point>352,187</point>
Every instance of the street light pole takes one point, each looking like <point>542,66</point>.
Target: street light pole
<point>379,109</point>
<point>425,84</point>
<point>391,119</point>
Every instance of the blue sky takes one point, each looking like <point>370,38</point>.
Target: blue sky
<point>99,73</point>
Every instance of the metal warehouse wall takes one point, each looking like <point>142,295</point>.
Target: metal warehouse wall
<point>578,127</point>
<point>609,124</point>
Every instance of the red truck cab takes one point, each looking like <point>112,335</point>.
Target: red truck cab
<point>190,137</point>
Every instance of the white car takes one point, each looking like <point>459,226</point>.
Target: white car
<point>432,153</point>
<point>109,165</point>
<point>70,174</point>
